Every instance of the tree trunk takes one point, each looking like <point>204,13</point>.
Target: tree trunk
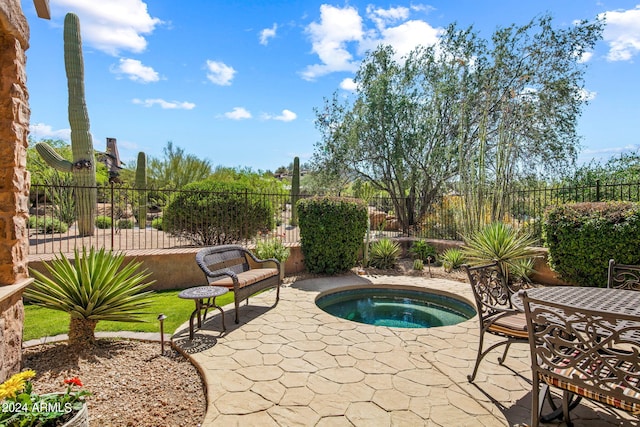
<point>81,332</point>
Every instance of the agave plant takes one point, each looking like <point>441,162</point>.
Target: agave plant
<point>498,242</point>
<point>452,259</point>
<point>96,286</point>
<point>384,253</point>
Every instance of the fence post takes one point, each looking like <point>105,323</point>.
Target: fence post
<point>597,190</point>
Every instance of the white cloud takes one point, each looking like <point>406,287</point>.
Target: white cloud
<point>383,17</point>
<point>329,38</point>
<point>134,70</point>
<point>238,113</point>
<point>114,25</point>
<point>587,95</point>
<point>40,131</point>
<point>341,37</point>
<point>268,33</point>
<point>220,73</point>
<point>622,33</point>
<point>165,105</point>
<point>348,84</point>
<point>285,116</point>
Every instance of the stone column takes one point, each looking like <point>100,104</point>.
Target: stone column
<point>14,182</point>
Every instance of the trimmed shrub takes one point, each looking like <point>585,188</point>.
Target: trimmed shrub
<point>384,253</point>
<point>157,223</point>
<point>422,250</point>
<point>331,233</point>
<point>47,225</point>
<point>582,237</point>
<point>103,222</point>
<point>217,213</point>
<point>125,224</point>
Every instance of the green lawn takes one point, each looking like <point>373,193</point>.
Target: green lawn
<point>41,322</point>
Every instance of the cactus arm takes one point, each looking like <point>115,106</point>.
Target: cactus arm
<point>141,184</point>
<point>84,170</point>
<point>52,158</point>
<point>295,191</point>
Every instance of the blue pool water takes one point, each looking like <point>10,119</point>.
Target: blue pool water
<point>400,308</point>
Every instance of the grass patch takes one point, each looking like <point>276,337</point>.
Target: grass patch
<point>44,322</point>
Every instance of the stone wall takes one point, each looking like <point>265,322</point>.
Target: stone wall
<point>14,182</point>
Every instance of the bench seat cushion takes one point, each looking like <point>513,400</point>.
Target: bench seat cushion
<point>572,377</point>
<point>247,278</point>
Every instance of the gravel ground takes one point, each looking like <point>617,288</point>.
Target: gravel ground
<point>131,383</point>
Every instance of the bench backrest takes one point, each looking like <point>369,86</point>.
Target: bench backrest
<point>623,276</point>
<point>228,258</point>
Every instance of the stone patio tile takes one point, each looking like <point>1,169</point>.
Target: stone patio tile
<point>297,396</point>
<point>379,381</point>
<point>334,422</point>
<point>242,403</point>
<point>367,414</point>
<point>258,419</point>
<point>342,375</point>
<point>405,419</point>
<point>294,379</point>
<point>328,405</point>
<point>294,415</point>
<point>320,385</point>
<point>391,400</point>
<point>321,359</point>
<point>269,390</point>
<point>260,373</point>
<point>251,357</point>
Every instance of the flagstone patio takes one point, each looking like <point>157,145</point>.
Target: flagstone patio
<point>292,364</point>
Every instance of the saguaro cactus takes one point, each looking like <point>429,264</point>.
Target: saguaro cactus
<point>83,165</point>
<point>141,185</point>
<point>295,191</point>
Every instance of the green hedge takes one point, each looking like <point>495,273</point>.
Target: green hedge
<point>582,237</point>
<point>331,233</point>
<point>217,213</point>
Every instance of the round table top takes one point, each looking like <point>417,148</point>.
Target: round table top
<point>200,292</point>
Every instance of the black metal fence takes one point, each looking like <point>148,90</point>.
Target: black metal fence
<point>131,218</point>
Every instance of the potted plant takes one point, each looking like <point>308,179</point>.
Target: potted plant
<point>273,248</point>
<point>21,406</point>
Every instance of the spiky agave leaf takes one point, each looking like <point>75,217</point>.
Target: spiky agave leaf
<point>498,242</point>
<point>95,286</point>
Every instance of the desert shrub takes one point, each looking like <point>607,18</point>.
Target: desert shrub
<point>384,253</point>
<point>157,224</point>
<point>125,224</point>
<point>217,213</point>
<point>582,237</point>
<point>331,233</point>
<point>418,264</point>
<point>452,259</point>
<point>47,225</point>
<point>422,250</point>
<point>272,248</point>
<point>103,222</point>
<point>498,242</point>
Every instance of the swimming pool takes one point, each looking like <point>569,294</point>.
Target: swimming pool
<point>396,307</point>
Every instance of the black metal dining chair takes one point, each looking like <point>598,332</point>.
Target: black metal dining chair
<point>495,313</point>
<point>623,276</point>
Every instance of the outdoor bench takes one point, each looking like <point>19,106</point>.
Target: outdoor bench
<point>240,271</point>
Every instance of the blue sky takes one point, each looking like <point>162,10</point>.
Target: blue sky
<point>236,82</point>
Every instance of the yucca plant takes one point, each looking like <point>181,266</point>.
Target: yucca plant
<point>498,242</point>
<point>384,253</point>
<point>452,259</point>
<point>96,286</point>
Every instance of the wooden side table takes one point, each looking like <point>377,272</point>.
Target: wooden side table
<point>205,298</point>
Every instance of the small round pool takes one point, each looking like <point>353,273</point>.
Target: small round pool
<point>396,307</point>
